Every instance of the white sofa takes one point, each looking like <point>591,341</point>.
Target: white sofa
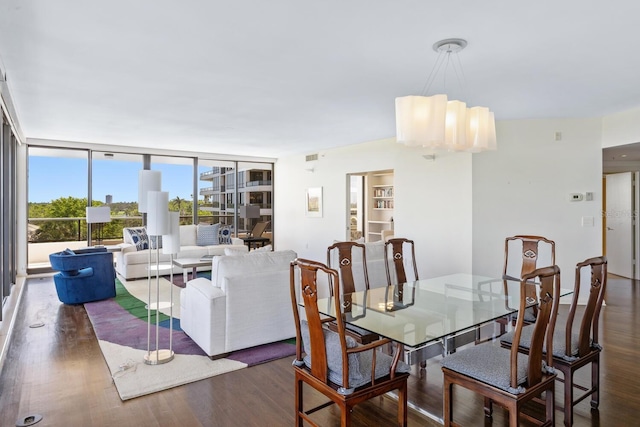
<point>246,303</point>
<point>132,263</point>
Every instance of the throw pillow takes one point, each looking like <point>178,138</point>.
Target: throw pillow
<point>266,248</point>
<point>225,234</point>
<point>67,252</point>
<point>207,235</point>
<point>138,236</point>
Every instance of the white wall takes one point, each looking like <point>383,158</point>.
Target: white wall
<point>524,187</point>
<point>621,128</point>
<point>432,202</point>
<point>460,207</point>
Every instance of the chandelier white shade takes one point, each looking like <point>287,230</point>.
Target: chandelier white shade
<point>148,180</point>
<point>439,123</point>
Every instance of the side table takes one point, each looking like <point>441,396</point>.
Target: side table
<point>250,241</point>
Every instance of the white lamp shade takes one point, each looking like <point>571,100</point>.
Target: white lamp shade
<point>148,180</point>
<point>157,213</point>
<point>456,126</point>
<point>481,129</point>
<point>420,120</point>
<point>171,240</point>
<point>98,214</point>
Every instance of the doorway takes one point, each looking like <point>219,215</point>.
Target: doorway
<point>370,205</point>
<point>619,223</point>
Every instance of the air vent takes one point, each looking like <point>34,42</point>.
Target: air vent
<point>312,157</point>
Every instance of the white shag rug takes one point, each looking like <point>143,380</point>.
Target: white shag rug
<point>134,378</point>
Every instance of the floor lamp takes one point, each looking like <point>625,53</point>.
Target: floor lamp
<point>171,246</point>
<point>98,215</point>
<point>157,225</point>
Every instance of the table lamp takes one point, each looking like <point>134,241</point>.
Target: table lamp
<point>98,215</point>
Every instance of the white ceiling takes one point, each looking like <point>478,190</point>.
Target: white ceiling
<point>270,78</point>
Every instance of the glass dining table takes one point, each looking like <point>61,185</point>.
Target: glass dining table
<point>431,317</point>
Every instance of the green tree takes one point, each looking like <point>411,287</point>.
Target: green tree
<point>72,228</point>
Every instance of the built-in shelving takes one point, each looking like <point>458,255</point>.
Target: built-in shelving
<point>380,204</point>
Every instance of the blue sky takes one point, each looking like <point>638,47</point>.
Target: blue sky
<point>51,178</point>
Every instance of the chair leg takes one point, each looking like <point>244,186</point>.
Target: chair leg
<point>514,412</point>
<point>568,398</point>
<point>488,407</point>
<point>345,415</point>
<point>595,382</point>
<point>298,394</point>
<point>550,405</point>
<point>402,405</point>
<point>448,402</point>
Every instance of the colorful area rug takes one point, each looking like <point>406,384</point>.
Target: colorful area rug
<point>120,324</point>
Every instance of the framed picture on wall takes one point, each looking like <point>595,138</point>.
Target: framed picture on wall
<point>313,202</point>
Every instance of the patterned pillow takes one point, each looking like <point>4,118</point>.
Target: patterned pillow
<point>139,237</point>
<point>225,234</point>
<point>207,235</point>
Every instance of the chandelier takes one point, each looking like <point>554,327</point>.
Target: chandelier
<point>435,122</point>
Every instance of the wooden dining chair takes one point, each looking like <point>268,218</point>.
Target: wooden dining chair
<point>572,351</point>
<point>340,256</point>
<point>395,248</point>
<point>522,255</point>
<point>332,362</point>
<point>506,376</point>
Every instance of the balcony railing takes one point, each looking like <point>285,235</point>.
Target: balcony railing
<point>258,183</point>
<point>50,235</point>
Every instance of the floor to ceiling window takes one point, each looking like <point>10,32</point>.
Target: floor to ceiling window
<point>177,180</point>
<point>255,186</point>
<point>8,263</point>
<point>114,183</point>
<point>215,191</point>
<point>57,201</point>
<point>62,182</point>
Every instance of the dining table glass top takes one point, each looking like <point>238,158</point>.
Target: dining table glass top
<point>418,313</point>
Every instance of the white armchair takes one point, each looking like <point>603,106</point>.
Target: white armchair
<point>246,303</point>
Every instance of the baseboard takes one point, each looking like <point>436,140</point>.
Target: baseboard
<point>9,312</point>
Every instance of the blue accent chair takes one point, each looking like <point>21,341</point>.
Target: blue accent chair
<point>84,275</point>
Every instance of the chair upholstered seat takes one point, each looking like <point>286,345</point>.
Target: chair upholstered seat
<point>359,364</point>
<point>510,377</point>
<point>490,364</point>
<point>559,345</point>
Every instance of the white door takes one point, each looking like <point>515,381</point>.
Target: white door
<point>620,223</point>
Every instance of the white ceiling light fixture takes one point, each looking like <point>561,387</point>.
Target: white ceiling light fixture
<point>435,122</point>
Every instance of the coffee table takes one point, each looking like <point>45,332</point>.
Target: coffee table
<point>193,263</point>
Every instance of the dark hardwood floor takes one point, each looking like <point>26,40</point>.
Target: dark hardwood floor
<point>57,370</point>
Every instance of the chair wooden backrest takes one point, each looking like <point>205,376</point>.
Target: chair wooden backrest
<point>330,355</point>
<point>588,334</point>
<point>259,228</point>
<point>345,264</point>
<point>548,301</point>
<point>395,248</point>
<point>529,258</point>
<point>309,296</point>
